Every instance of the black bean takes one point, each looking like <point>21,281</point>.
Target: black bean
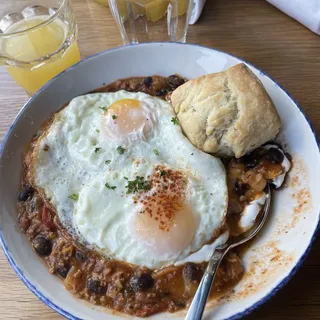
<point>258,153</point>
<point>147,81</point>
<point>240,188</point>
<point>62,271</point>
<point>95,286</point>
<point>180,304</point>
<point>25,193</point>
<point>80,256</point>
<point>42,246</point>
<point>275,155</point>
<point>175,81</point>
<point>243,159</point>
<point>161,92</point>
<point>250,162</point>
<point>191,272</point>
<point>143,282</point>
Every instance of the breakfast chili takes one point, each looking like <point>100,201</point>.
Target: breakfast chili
<point>116,284</point>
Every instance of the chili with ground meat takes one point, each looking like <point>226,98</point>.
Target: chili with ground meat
<point>116,284</point>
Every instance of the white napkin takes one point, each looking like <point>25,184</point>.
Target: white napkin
<point>306,12</point>
<point>197,9</point>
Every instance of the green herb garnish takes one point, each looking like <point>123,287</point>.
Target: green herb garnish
<point>162,173</point>
<point>96,150</point>
<point>97,130</point>
<point>74,196</point>
<point>137,185</point>
<point>114,117</point>
<point>107,161</point>
<point>103,108</point>
<point>175,120</point>
<point>107,185</point>
<point>121,150</point>
<point>156,152</point>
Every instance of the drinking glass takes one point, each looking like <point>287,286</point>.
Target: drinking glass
<point>38,40</point>
<point>152,20</point>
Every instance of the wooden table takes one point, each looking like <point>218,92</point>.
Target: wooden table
<point>250,29</point>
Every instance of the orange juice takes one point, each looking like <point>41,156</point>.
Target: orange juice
<point>154,9</point>
<point>40,53</point>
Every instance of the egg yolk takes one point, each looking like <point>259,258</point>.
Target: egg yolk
<point>170,241</point>
<point>165,223</point>
<point>127,117</point>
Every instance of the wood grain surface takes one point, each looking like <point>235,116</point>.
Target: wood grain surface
<point>250,29</point>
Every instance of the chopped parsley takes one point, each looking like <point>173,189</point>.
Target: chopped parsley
<point>107,161</point>
<point>96,150</point>
<point>121,150</point>
<point>74,196</point>
<point>107,185</point>
<point>175,120</point>
<point>97,130</point>
<point>103,108</point>
<point>139,184</point>
<point>162,173</point>
<point>156,152</point>
<point>114,117</point>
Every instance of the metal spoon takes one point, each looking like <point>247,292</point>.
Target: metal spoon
<point>199,301</point>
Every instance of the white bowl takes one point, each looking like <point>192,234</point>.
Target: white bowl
<point>276,253</point>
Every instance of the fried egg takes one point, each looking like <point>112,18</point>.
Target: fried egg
<point>125,180</point>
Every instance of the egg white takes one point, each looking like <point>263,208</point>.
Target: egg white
<point>76,164</point>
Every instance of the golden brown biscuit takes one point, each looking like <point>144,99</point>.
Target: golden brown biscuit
<point>227,113</point>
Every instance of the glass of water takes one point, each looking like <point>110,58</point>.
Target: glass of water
<point>38,40</point>
<point>152,20</point>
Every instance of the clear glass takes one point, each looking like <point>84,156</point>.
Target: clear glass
<point>152,20</point>
<point>103,2</point>
<point>37,40</point>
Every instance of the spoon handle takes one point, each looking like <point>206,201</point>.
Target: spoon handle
<point>199,301</point>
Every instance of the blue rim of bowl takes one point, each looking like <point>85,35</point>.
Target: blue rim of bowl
<point>239,315</point>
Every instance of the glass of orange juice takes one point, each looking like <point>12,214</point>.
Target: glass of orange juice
<point>152,20</point>
<point>37,40</point>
